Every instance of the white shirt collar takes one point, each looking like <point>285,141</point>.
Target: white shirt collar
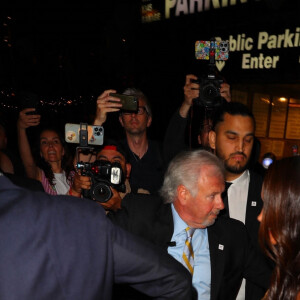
<point>242,178</point>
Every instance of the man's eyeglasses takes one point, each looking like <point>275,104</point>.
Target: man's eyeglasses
<point>140,111</point>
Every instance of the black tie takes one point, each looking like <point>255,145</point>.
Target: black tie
<point>224,194</point>
<point>225,211</point>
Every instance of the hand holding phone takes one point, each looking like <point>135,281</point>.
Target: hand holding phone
<point>28,118</point>
<point>128,102</point>
<point>108,102</point>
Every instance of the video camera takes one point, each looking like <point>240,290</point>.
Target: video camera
<point>209,95</point>
<point>103,173</point>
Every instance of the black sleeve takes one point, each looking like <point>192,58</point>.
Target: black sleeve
<point>174,140</point>
<point>148,269</point>
<point>137,213</point>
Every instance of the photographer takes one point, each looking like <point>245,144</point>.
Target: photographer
<point>174,141</point>
<point>110,195</point>
<point>144,154</point>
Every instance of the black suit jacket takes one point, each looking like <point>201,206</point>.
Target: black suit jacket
<point>254,205</point>
<point>62,247</point>
<point>231,251</point>
<point>253,209</point>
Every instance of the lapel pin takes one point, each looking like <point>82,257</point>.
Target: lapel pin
<point>221,247</point>
<point>253,203</point>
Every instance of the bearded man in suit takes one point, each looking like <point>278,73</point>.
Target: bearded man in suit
<point>232,139</point>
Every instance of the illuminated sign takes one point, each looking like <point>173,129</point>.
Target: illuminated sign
<point>266,49</point>
<point>175,8</point>
<point>149,12</point>
<point>264,41</point>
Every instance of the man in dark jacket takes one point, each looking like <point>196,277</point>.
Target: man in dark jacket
<point>62,247</point>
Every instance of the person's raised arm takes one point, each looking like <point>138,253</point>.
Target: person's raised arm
<point>25,121</point>
<point>191,91</point>
<point>105,105</point>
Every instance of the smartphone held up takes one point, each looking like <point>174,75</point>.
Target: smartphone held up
<point>129,103</point>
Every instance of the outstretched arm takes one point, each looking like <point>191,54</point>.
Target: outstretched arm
<point>23,123</point>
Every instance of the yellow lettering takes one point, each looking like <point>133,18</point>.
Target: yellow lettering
<point>280,39</point>
<point>272,42</point>
<point>259,62</point>
<point>262,39</point>
<point>168,5</point>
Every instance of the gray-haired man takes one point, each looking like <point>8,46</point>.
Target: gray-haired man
<point>223,253</point>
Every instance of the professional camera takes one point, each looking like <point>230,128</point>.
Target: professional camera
<point>103,175</point>
<point>209,95</point>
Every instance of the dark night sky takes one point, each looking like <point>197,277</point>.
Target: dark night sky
<point>82,48</point>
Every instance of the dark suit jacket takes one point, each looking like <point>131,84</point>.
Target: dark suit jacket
<point>254,205</point>
<point>25,182</point>
<point>62,247</point>
<point>231,251</point>
<point>253,209</point>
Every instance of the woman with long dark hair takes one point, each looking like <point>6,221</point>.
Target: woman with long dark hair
<point>280,227</point>
<point>52,165</point>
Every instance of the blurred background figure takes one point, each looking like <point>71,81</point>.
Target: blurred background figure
<point>280,227</point>
<point>52,165</point>
<point>176,139</point>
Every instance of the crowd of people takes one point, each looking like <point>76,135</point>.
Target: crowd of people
<point>167,221</point>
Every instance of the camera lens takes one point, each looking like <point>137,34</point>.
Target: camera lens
<point>210,92</point>
<point>101,192</point>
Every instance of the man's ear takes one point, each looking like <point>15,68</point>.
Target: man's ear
<point>128,169</point>
<point>121,120</point>
<point>149,121</point>
<point>182,193</point>
<point>212,139</point>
